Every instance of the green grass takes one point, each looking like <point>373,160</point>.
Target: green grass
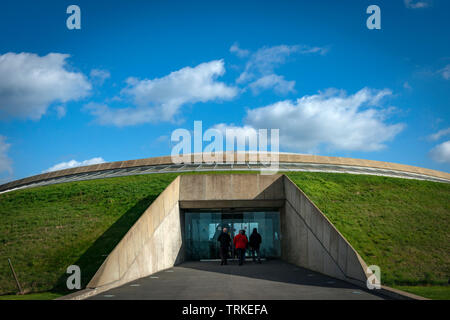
<point>44,230</point>
<point>398,224</point>
<point>430,292</point>
<point>32,296</point>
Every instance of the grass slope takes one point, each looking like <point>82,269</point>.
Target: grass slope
<point>400,225</point>
<point>44,230</point>
<point>431,292</point>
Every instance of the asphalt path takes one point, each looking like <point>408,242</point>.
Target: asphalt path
<point>271,280</point>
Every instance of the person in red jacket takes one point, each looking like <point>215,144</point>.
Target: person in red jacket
<point>240,243</point>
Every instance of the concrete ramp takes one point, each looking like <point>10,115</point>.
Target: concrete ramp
<point>155,242</point>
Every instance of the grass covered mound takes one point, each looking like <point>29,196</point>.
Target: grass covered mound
<point>400,225</point>
<point>44,230</point>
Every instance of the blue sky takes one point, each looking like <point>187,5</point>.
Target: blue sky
<point>137,70</point>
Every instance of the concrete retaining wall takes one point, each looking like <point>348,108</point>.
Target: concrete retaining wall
<point>231,187</point>
<point>311,241</point>
<point>153,243</point>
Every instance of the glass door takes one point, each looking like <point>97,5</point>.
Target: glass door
<point>202,230</point>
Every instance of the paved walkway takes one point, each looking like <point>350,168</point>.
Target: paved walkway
<point>273,279</point>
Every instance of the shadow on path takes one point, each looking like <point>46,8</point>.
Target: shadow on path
<point>273,280</point>
<point>275,270</point>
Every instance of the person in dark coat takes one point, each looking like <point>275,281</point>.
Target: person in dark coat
<point>225,241</point>
<point>255,242</point>
<point>240,242</point>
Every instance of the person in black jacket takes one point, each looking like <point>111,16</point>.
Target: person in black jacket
<point>225,242</point>
<point>255,242</point>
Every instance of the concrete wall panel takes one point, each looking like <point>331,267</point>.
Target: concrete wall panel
<point>231,187</point>
<point>355,269</point>
<point>131,250</point>
<point>315,253</point>
<point>334,244</point>
<point>331,268</point>
<point>122,253</point>
<point>326,233</point>
<point>324,249</point>
<point>342,254</point>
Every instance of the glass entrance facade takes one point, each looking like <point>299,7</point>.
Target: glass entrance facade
<point>202,229</point>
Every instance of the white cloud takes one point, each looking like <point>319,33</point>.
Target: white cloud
<point>99,75</point>
<point>441,152</point>
<point>261,65</point>
<point>238,51</point>
<point>74,163</point>
<point>30,83</point>
<point>235,130</point>
<point>414,4</point>
<point>5,161</point>
<point>272,81</point>
<point>229,132</point>
<point>439,134</point>
<point>445,72</point>
<point>329,119</point>
<point>266,59</point>
<point>160,99</point>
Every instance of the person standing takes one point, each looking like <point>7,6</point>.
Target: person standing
<point>255,242</point>
<point>225,240</point>
<point>240,242</point>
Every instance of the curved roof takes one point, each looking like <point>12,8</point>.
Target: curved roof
<point>287,162</point>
